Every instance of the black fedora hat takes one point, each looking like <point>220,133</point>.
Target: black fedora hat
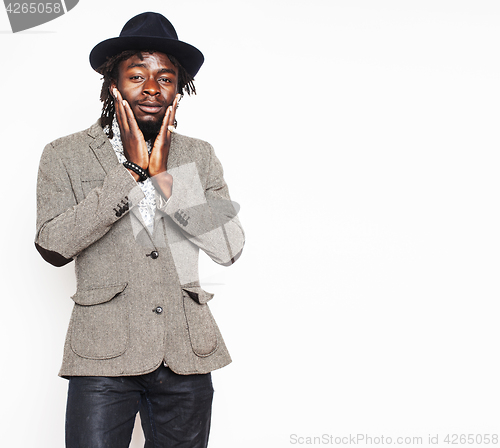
<point>148,31</point>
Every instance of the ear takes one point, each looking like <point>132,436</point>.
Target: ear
<point>112,86</point>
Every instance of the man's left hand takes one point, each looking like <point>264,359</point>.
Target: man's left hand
<point>159,155</point>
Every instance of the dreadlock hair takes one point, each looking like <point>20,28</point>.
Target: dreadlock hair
<point>109,72</point>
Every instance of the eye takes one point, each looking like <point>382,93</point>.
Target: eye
<point>165,80</point>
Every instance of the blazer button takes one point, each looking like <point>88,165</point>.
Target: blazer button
<point>154,255</point>
<point>158,310</point>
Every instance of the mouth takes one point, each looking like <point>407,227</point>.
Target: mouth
<point>150,108</point>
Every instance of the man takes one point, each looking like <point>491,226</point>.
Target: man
<point>132,202</point>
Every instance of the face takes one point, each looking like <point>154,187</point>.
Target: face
<point>149,86</point>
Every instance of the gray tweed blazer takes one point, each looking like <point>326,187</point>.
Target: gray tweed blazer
<point>138,301</point>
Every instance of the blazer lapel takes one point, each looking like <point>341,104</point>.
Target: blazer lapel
<point>173,153</point>
<point>102,148</point>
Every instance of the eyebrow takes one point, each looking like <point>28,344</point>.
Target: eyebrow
<point>163,70</point>
<point>136,65</point>
<point>167,70</point>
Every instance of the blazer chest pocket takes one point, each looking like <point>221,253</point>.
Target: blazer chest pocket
<point>200,322</point>
<point>89,184</point>
<point>99,323</point>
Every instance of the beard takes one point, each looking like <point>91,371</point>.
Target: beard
<point>150,128</point>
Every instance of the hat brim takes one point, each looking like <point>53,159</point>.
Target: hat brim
<point>188,56</point>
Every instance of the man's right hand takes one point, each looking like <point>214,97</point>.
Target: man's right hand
<point>134,145</point>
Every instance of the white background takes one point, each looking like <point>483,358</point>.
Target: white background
<point>361,139</point>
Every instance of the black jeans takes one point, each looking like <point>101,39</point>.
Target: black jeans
<point>175,410</point>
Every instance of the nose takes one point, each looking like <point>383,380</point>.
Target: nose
<point>151,87</point>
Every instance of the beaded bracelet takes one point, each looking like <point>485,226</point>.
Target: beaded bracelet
<point>137,170</point>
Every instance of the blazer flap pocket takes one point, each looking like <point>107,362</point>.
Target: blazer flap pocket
<point>98,295</point>
<point>197,294</point>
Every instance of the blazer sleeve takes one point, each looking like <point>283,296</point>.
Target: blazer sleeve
<point>65,226</point>
<point>204,212</point>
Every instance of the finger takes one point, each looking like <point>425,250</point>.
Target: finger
<point>174,108</point>
<point>169,118</point>
<point>163,134</point>
<point>168,122</point>
<point>161,147</point>
<point>130,117</point>
<point>121,116</point>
